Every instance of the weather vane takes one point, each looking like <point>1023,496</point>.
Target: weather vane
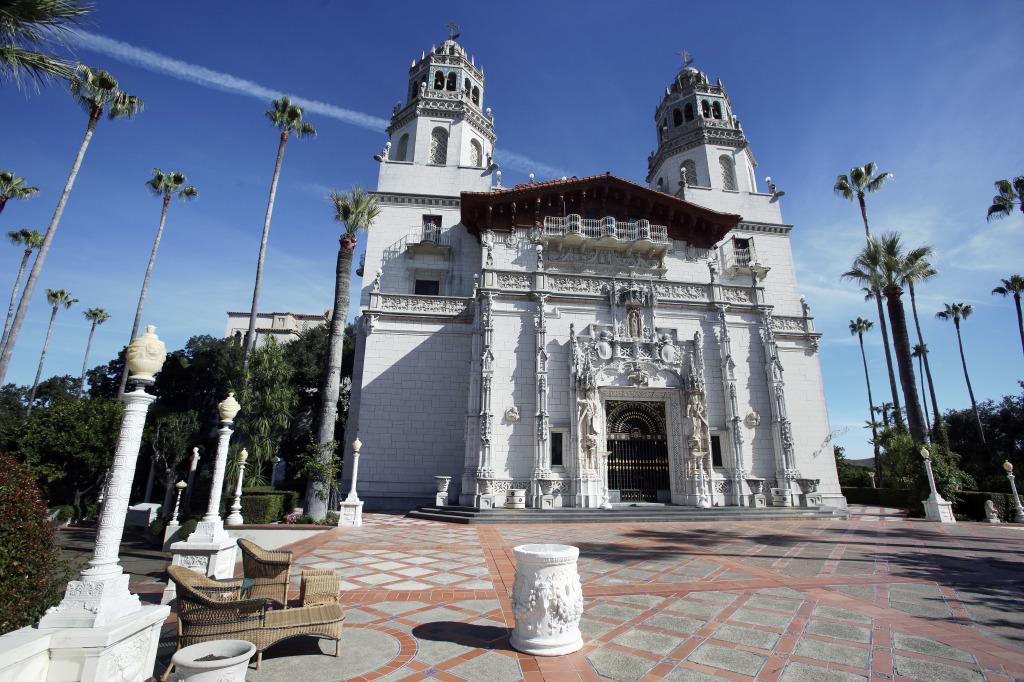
<point>686,58</point>
<point>451,26</point>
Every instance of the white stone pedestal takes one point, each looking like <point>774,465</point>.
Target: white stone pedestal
<point>213,556</point>
<point>547,600</point>
<point>758,500</point>
<point>938,509</point>
<point>441,500</point>
<point>351,514</point>
<point>810,500</point>
<point>143,515</point>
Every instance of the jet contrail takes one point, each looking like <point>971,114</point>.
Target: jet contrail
<point>207,78</point>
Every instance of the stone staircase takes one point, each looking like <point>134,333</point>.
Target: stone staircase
<point>624,513</point>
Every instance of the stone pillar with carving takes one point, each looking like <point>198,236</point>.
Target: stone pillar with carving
<point>100,629</point>
<point>485,470</point>
<point>472,452</point>
<point>733,420</point>
<point>541,465</point>
<point>209,549</point>
<point>782,430</point>
<point>547,600</point>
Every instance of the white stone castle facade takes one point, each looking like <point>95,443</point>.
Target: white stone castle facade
<point>589,340</point>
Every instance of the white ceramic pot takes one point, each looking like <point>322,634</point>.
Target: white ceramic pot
<point>231,661</point>
<point>547,600</point>
<point>516,499</point>
<point>782,497</point>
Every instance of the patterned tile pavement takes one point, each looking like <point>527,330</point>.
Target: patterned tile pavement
<point>880,597</point>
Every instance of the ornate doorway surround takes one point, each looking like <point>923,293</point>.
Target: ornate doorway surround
<point>637,441</point>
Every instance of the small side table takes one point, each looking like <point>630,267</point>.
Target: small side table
<point>232,592</point>
<point>319,586</point>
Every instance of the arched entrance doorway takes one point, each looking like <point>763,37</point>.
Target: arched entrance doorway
<point>638,464</point>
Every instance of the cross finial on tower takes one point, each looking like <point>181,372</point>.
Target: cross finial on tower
<point>451,26</point>
<point>686,58</point>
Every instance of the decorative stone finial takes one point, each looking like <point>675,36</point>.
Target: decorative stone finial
<point>228,408</point>
<point>243,455</point>
<point>145,356</point>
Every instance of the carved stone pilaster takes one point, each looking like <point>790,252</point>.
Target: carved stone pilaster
<point>733,420</point>
<point>782,431</point>
<point>541,462</point>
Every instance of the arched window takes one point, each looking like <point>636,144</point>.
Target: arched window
<point>661,185</point>
<point>705,108</point>
<point>689,171</point>
<point>476,154</point>
<point>453,82</point>
<point>413,90</point>
<point>728,172</point>
<point>439,80</point>
<point>688,112</point>
<point>716,110</point>
<point>469,86</point>
<point>439,146</point>
<point>403,148</point>
<point>677,117</point>
<point>476,96</point>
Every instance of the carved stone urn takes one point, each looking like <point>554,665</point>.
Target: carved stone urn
<point>547,485</point>
<point>145,356</point>
<point>808,485</point>
<point>756,485</point>
<point>486,485</point>
<point>547,600</point>
<point>442,483</point>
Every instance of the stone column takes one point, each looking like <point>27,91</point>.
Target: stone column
<point>732,410</point>
<point>936,508</point>
<point>193,464</point>
<point>541,465</point>
<point>235,517</point>
<point>782,431</point>
<point>1018,511</point>
<point>351,513</point>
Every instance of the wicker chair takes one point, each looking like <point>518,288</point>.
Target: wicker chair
<point>319,586</point>
<point>205,614</point>
<point>269,570</point>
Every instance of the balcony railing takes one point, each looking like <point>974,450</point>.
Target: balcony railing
<point>604,228</point>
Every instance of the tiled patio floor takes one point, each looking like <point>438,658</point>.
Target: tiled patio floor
<point>879,596</point>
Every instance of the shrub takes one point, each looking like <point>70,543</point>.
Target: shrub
<point>971,505</point>
<point>67,513</point>
<point>32,572</point>
<point>189,527</point>
<point>881,497</point>
<point>263,504</point>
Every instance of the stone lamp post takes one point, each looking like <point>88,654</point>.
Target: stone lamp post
<point>935,507</point>
<point>180,485</point>
<point>193,465</point>
<point>210,550</point>
<point>100,630</point>
<point>352,508</point>
<point>235,517</point>
<point>1018,513</point>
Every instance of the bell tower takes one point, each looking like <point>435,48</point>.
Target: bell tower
<point>441,141</point>
<point>702,154</point>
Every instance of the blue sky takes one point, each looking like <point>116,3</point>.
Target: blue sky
<point>930,91</point>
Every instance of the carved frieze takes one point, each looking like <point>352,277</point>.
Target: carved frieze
<point>433,305</point>
<point>512,281</point>
<point>578,285</point>
<point>788,324</point>
<point>684,292</point>
<point>736,295</point>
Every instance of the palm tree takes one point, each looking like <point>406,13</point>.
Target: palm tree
<point>863,180</point>
<point>163,185</point>
<point>31,240</point>
<point>96,316</point>
<point>288,118</point>
<point>12,187</point>
<point>1015,286</point>
<point>919,269</point>
<point>859,327</point>
<point>958,312</point>
<point>57,298</point>
<point>1010,194</point>
<point>96,91</point>
<point>884,265</point>
<point>28,28</point>
<point>355,210</point>
<point>921,353</point>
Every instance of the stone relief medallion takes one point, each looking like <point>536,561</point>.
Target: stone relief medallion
<point>668,353</point>
<point>512,414</point>
<point>604,350</point>
<point>752,419</point>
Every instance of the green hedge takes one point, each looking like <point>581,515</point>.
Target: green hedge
<point>880,497</point>
<point>263,504</point>
<point>971,504</point>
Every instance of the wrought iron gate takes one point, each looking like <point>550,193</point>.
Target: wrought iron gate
<point>638,465</point>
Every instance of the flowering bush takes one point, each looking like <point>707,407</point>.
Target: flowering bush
<point>331,519</point>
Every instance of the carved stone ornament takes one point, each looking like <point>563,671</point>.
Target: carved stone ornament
<point>431,305</point>
<point>752,419</point>
<point>128,658</point>
<point>442,483</point>
<point>512,414</point>
<point>808,485</point>
<point>547,600</point>
<point>146,355</point>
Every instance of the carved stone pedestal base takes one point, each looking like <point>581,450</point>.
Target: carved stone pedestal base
<point>212,559</point>
<point>810,500</point>
<point>351,514</point>
<point>547,600</point>
<point>757,500</point>
<point>92,603</point>
<point>547,502</point>
<point>938,509</point>
<point>484,502</point>
<point>441,500</point>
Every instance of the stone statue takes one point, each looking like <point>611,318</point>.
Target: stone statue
<point>635,323</point>
<point>588,405</point>
<point>696,420</point>
<point>991,515</point>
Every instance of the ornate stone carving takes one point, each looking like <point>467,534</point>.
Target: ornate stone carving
<point>579,285</point>
<point>788,324</point>
<point>434,305</point>
<point>512,414</point>
<point>598,260</point>
<point>752,419</point>
<point>808,485</point>
<point>736,295</point>
<point>508,281</point>
<point>197,562</point>
<point>683,292</point>
<point>442,483</point>
<point>723,485</point>
<point>547,600</point>
<point>128,658</point>
<point>146,355</point>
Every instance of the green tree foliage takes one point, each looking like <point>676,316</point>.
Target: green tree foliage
<point>903,466</point>
<point>170,439</point>
<point>13,187</point>
<point>69,445</point>
<point>850,475</point>
<point>30,30</point>
<point>32,573</point>
<point>1010,196</point>
<point>1003,422</point>
<point>268,400</point>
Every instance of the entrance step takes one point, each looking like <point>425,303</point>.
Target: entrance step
<point>624,513</point>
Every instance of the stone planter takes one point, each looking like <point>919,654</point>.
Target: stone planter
<point>547,600</point>
<point>516,499</point>
<point>230,664</point>
<point>547,485</point>
<point>808,485</point>
<point>782,497</point>
<point>442,483</point>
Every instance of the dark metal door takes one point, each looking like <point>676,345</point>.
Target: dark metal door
<point>638,464</point>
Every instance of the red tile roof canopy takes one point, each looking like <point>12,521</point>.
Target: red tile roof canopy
<point>525,206</point>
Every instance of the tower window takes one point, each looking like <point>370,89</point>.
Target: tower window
<point>728,172</point>
<point>716,451</point>
<point>468,86</point>
<point>476,96</point>
<point>453,82</point>
<point>689,171</point>
<point>705,108</point>
<point>438,146</point>
<point>439,80</point>
<point>476,154</point>
<point>427,287</point>
<point>413,90</point>
<point>677,117</point>
<point>716,110</point>
<point>403,147</point>
<point>688,112</point>
<point>661,185</point>
<point>557,448</point>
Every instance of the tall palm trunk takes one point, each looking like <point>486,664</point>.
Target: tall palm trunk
<point>250,335</point>
<point>39,372</point>
<point>85,363</point>
<point>1020,320</point>
<point>316,490</point>
<point>17,285</point>
<point>901,341</point>
<point>37,266</point>
<point>145,286</point>
<point>970,391</point>
<point>920,370</point>
<point>927,368</point>
<point>871,409</point>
